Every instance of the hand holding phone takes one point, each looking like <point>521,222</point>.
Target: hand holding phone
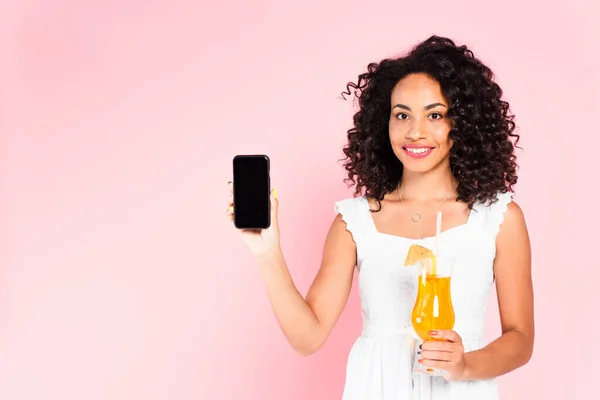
<point>252,204</point>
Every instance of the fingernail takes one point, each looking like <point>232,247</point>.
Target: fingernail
<point>433,333</point>
<point>274,193</point>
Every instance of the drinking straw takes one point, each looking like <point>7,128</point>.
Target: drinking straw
<point>438,231</point>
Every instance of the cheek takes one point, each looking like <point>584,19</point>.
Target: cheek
<point>395,134</point>
<point>442,138</point>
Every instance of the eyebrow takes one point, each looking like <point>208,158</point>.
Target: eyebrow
<point>429,107</point>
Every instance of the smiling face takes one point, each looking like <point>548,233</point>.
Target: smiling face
<point>419,126</point>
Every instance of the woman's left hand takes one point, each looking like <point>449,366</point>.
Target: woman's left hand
<point>446,354</point>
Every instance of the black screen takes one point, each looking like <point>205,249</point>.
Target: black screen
<point>251,189</point>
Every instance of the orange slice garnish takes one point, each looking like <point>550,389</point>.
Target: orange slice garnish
<point>419,254</point>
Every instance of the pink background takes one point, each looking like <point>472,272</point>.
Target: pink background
<point>120,276</point>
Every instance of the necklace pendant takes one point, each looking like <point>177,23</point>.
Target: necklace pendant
<point>416,217</point>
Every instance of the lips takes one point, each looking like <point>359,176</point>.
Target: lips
<point>417,151</point>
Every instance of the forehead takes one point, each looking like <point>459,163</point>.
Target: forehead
<point>417,89</point>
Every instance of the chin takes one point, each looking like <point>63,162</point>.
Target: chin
<point>416,165</point>
<point>419,168</point>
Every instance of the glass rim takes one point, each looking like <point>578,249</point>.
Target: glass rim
<point>444,266</point>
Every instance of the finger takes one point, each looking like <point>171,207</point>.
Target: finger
<point>437,356</point>
<point>445,365</point>
<point>441,346</point>
<point>274,206</point>
<point>448,335</point>
<point>230,197</point>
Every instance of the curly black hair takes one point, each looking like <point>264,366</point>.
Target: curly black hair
<point>482,157</point>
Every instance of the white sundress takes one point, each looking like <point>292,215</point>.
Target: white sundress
<point>381,360</point>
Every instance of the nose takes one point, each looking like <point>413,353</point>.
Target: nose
<point>415,132</point>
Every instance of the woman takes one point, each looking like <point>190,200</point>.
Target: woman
<point>432,134</point>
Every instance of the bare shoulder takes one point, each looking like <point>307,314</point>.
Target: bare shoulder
<point>339,234</point>
<point>514,221</point>
<point>514,211</point>
<point>512,242</point>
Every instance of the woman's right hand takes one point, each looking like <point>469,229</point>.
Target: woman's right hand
<point>261,242</point>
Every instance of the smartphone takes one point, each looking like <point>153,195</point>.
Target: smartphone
<point>251,191</point>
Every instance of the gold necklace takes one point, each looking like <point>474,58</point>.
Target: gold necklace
<point>416,217</point>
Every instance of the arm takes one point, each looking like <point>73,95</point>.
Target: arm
<point>512,269</point>
<point>306,323</point>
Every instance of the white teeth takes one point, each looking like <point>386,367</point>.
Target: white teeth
<point>418,150</point>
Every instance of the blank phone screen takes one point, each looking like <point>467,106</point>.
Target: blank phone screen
<point>251,188</point>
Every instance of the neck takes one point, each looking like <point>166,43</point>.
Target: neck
<point>432,185</point>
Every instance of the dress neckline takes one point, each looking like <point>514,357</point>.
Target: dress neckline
<point>464,225</point>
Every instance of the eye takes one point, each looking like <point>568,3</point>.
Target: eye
<point>437,115</point>
<point>401,116</point>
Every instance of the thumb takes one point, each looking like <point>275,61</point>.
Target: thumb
<point>274,206</point>
<point>447,334</point>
